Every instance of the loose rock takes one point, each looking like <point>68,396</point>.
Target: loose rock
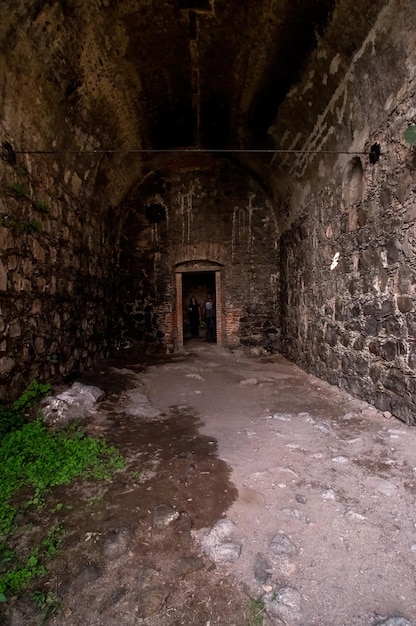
<point>187,565</point>
<point>117,543</point>
<point>284,603</point>
<point>295,513</point>
<point>85,576</point>
<point>77,403</point>
<point>262,568</point>
<point>163,515</point>
<point>215,543</point>
<point>281,544</point>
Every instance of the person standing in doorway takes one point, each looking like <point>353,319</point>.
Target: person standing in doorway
<point>209,314</point>
<point>194,314</point>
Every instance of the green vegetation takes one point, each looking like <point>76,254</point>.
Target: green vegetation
<point>19,190</point>
<point>14,416</point>
<point>257,609</point>
<point>21,170</point>
<point>20,226</point>
<point>35,458</point>
<point>40,206</point>
<point>47,603</point>
<point>16,573</point>
<point>19,572</point>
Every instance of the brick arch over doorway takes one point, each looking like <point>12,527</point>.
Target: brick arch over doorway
<point>217,253</point>
<point>213,271</point>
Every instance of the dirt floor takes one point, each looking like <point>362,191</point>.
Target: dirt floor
<point>314,491</point>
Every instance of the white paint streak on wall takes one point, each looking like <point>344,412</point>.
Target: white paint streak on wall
<point>185,210</point>
<point>250,210</point>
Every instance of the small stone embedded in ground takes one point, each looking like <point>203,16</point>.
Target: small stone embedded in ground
<point>216,543</point>
<point>112,599</point>
<point>340,459</point>
<point>85,576</point>
<point>285,604</point>
<point>328,494</point>
<point>136,404</point>
<point>300,498</point>
<point>370,411</point>
<point>295,513</point>
<point>349,514</point>
<point>324,427</point>
<point>163,515</point>
<point>383,486</point>
<point>249,382</point>
<point>227,552</point>
<point>281,544</point>
<point>262,568</point>
<point>117,542</point>
<point>152,592</point>
<point>151,601</point>
<point>223,530</point>
<point>187,565</point>
<point>77,403</point>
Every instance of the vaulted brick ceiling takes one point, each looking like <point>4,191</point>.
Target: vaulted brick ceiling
<point>171,73</point>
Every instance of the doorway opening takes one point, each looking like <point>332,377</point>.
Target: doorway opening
<point>197,279</point>
<point>197,285</point>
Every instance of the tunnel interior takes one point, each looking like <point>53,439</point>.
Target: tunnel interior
<point>267,143</point>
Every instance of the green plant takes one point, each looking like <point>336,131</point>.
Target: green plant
<point>15,415</point>
<point>257,609</point>
<point>21,170</point>
<point>47,604</point>
<point>40,206</point>
<point>36,457</point>
<point>16,573</point>
<point>17,577</point>
<point>53,540</point>
<point>34,227</point>
<point>19,190</point>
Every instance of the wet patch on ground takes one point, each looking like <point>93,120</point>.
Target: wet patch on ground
<point>128,554</point>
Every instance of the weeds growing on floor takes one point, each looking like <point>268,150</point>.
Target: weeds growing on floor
<point>257,609</point>
<point>35,458</point>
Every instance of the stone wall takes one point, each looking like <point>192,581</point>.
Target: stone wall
<point>57,279</point>
<point>214,214</point>
<point>349,258</point>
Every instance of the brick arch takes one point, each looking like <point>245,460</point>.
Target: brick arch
<point>203,251</point>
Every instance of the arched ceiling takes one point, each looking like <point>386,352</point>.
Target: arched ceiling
<point>157,75</point>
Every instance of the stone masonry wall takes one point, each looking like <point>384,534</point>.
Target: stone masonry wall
<point>56,279</point>
<point>214,214</point>
<point>348,264</point>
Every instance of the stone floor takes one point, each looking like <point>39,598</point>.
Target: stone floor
<point>254,493</point>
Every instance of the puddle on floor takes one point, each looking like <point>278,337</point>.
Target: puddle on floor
<point>168,463</point>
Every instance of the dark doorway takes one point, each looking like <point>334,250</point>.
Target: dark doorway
<point>197,284</point>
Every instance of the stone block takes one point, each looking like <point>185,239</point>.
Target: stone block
<point>6,365</point>
<point>3,277</point>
